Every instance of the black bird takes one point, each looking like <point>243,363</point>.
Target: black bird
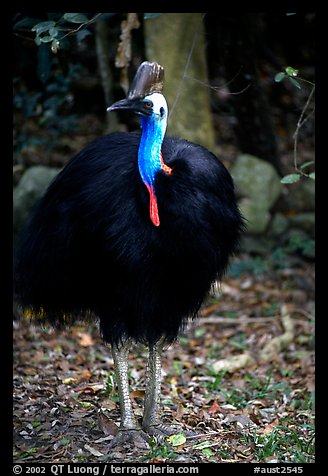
<point>134,230</point>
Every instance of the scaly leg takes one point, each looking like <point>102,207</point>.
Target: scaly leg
<point>150,423</point>
<point>129,431</point>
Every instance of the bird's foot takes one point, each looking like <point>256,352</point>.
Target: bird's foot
<point>161,431</point>
<point>133,437</point>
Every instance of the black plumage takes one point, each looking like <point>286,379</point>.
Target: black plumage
<point>90,245</point>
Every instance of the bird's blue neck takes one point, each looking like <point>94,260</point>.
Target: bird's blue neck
<point>149,154</point>
<point>150,159</point>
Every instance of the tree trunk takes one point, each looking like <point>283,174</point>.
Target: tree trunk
<point>102,49</point>
<point>176,41</point>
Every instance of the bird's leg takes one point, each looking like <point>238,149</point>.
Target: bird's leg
<point>129,431</point>
<point>151,423</point>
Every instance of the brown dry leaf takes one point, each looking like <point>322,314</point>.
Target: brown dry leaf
<point>38,356</point>
<point>270,427</point>
<point>86,340</point>
<point>107,426</point>
<point>243,421</point>
<point>180,412</point>
<point>84,375</point>
<point>109,404</point>
<point>91,388</point>
<point>214,408</point>
<point>137,393</point>
<point>208,310</point>
<point>93,451</point>
<point>64,365</point>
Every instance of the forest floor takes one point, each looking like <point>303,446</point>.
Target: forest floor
<point>241,378</point>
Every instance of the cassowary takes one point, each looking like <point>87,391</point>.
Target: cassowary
<point>134,230</point>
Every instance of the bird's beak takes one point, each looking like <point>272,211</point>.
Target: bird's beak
<point>135,105</point>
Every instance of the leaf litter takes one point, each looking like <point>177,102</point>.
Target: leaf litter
<point>241,378</point>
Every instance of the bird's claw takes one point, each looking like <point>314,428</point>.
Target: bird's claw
<point>161,431</point>
<point>132,437</point>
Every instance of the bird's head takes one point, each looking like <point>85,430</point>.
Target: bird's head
<point>152,106</point>
<point>145,94</point>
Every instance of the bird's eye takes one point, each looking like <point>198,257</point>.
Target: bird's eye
<point>162,111</point>
<point>148,104</point>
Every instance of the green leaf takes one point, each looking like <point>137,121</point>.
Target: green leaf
<point>43,26</point>
<point>177,440</point>
<point>291,178</point>
<point>312,175</point>
<point>65,441</point>
<point>35,424</point>
<point>207,452</point>
<point>202,445</point>
<point>291,71</point>
<point>294,82</point>
<point>200,331</point>
<point>76,17</point>
<point>86,404</point>
<point>46,38</point>
<point>306,164</point>
<point>53,32</point>
<point>279,77</point>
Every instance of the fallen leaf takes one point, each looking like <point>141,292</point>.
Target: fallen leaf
<point>180,412</point>
<point>86,340</point>
<point>270,427</point>
<point>202,445</point>
<point>107,425</point>
<point>69,380</point>
<point>91,388</point>
<point>137,394</point>
<point>177,440</point>
<point>84,375</point>
<point>93,451</point>
<point>214,408</point>
<point>208,310</point>
<point>207,452</point>
<point>241,420</point>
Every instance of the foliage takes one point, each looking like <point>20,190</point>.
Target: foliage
<point>290,74</point>
<point>58,27</point>
<point>159,451</point>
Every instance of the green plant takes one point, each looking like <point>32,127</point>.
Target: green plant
<point>54,31</point>
<point>110,385</point>
<point>299,243</point>
<point>159,450</point>
<point>282,443</point>
<point>290,74</point>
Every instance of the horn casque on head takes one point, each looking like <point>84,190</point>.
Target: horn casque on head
<point>148,79</point>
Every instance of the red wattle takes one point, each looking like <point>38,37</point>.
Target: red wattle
<point>153,209</point>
